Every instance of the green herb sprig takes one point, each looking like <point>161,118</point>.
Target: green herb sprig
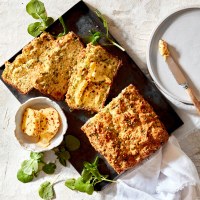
<point>70,143</point>
<point>90,176</point>
<point>65,30</point>
<point>36,9</point>
<point>30,168</point>
<point>95,36</point>
<point>49,168</point>
<point>46,191</point>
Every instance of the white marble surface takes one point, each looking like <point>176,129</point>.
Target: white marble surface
<point>131,22</point>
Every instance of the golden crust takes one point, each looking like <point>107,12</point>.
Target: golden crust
<point>126,131</point>
<point>92,78</point>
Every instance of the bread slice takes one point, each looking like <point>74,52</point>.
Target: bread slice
<point>91,81</point>
<point>45,64</point>
<point>23,71</point>
<point>126,131</point>
<point>58,66</point>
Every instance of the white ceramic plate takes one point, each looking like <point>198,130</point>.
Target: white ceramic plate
<point>28,142</point>
<point>181,30</point>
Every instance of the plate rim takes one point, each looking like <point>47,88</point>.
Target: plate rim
<point>158,85</point>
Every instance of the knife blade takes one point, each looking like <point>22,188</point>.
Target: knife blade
<point>177,73</point>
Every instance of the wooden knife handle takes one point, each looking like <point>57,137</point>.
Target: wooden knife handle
<point>193,98</point>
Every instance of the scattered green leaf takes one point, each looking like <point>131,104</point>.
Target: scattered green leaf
<point>30,168</point>
<point>24,178</point>
<point>46,191</point>
<point>104,21</point>
<point>86,175</point>
<point>72,143</point>
<point>49,168</point>
<point>80,185</point>
<point>90,176</point>
<point>64,27</point>
<point>63,156</point>
<point>70,183</point>
<point>35,29</point>
<point>49,21</point>
<point>95,36</point>
<point>36,9</point>
<point>89,188</point>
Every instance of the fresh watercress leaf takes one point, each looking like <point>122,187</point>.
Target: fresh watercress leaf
<point>37,156</point>
<point>46,191</point>
<point>86,175</point>
<point>24,178</point>
<point>63,156</point>
<point>36,9</point>
<point>26,167</point>
<point>104,21</point>
<point>79,184</point>
<point>35,29</point>
<point>29,166</point>
<point>64,27</point>
<point>89,188</point>
<point>49,168</point>
<point>96,35</point>
<point>70,183</point>
<point>96,161</point>
<point>90,176</point>
<point>62,161</point>
<point>48,21</point>
<point>72,143</point>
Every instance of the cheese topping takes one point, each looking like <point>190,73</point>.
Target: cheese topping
<point>92,78</point>
<point>164,51</point>
<point>97,73</point>
<point>43,124</point>
<point>79,91</point>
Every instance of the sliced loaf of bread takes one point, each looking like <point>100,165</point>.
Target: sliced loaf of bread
<point>92,78</point>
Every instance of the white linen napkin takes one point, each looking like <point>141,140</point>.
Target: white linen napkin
<point>168,175</point>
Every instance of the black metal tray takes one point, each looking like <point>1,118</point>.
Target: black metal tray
<point>80,19</point>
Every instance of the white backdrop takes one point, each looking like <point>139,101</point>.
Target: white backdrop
<point>130,22</point>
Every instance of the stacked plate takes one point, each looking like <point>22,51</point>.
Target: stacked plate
<point>181,30</point>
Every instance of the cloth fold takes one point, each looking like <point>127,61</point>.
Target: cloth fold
<point>167,175</point>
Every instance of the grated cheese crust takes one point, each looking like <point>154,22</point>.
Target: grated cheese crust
<point>126,131</point>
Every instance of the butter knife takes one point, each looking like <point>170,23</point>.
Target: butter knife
<point>177,73</point>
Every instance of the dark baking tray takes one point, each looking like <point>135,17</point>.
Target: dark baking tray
<point>81,19</point>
